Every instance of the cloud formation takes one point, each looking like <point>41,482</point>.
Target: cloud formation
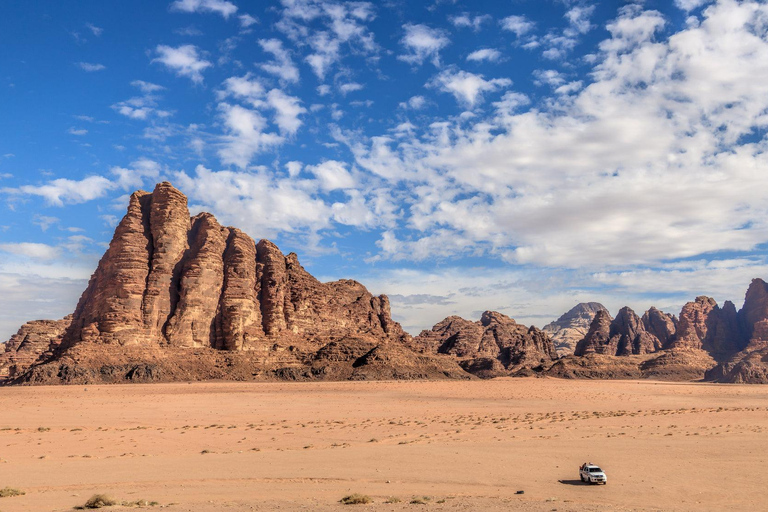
<point>184,61</point>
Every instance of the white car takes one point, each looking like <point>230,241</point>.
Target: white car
<point>592,474</point>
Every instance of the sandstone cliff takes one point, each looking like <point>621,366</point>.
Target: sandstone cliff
<point>493,346</point>
<point>572,326</point>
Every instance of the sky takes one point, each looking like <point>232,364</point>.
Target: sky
<point>460,156</point>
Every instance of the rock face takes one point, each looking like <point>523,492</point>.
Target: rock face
<point>34,340</point>
<point>172,291</point>
<point>750,364</point>
<point>704,325</point>
<point>572,326</point>
<point>624,335</point>
<point>660,324</point>
<point>493,346</point>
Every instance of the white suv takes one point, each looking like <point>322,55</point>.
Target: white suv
<point>592,474</point>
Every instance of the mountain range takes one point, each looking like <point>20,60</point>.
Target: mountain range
<point>183,298</point>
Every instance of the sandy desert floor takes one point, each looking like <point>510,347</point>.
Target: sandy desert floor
<point>453,445</point>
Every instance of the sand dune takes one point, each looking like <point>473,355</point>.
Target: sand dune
<point>463,445</point>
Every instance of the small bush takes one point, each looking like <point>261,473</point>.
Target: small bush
<point>99,501</point>
<point>9,492</point>
<point>355,499</point>
<point>424,500</point>
<point>393,499</point>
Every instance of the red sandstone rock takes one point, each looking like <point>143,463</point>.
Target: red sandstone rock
<point>494,345</point>
<point>33,340</point>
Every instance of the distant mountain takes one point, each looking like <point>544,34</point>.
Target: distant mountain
<point>493,346</point>
<point>572,326</point>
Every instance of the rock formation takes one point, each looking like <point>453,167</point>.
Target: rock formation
<point>33,341</point>
<point>173,295</point>
<point>704,325</point>
<point>750,364</point>
<point>495,345</point>
<point>572,326</point>
<point>660,324</point>
<point>622,336</point>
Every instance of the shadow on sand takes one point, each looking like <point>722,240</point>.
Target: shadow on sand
<point>573,482</point>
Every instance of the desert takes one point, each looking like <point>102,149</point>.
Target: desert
<point>453,445</point>
<point>336,255</point>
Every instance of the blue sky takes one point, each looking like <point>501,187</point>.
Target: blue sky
<point>459,156</point>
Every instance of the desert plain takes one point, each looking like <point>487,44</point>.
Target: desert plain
<point>447,445</point>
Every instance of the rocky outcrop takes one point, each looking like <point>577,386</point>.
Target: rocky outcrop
<point>660,324</point>
<point>750,364</point>
<point>572,326</point>
<point>753,317</point>
<point>704,325</point>
<point>493,346</point>
<point>172,291</point>
<point>33,341</point>
<point>624,335</point>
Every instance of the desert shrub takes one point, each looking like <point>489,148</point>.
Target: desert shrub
<point>99,501</point>
<point>9,492</point>
<point>393,499</point>
<point>423,500</point>
<point>356,499</point>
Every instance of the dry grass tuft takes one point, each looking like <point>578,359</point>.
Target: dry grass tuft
<point>356,499</point>
<point>9,492</point>
<point>100,501</point>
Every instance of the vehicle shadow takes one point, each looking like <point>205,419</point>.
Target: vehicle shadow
<point>573,482</point>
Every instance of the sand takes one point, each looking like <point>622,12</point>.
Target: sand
<point>463,445</point>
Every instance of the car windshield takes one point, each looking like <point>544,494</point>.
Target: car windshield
<point>595,470</point>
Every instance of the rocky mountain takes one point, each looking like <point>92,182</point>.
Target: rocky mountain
<point>493,346</point>
<point>183,298</point>
<point>572,326</point>
<point>624,335</point>
<point>176,297</point>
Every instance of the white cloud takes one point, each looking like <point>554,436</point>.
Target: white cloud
<point>147,87</point>
<point>91,67</point>
<point>343,25</point>
<point>466,87</point>
<point>283,65</point>
<point>97,31</point>
<point>63,190</point>
<point>349,87</point>
<point>133,177</point>
<point>578,17</point>
<point>246,20</point>
<point>485,54</point>
<point>245,135</point>
<point>464,20</point>
<point>414,103</point>
<point>333,175</point>
<point>223,7</point>
<point>245,88</point>
<point>690,5</point>
<point>142,107</point>
<point>423,42</point>
<point>77,131</point>
<point>184,61</point>
<point>45,221</point>
<point>287,111</point>
<point>519,25</point>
